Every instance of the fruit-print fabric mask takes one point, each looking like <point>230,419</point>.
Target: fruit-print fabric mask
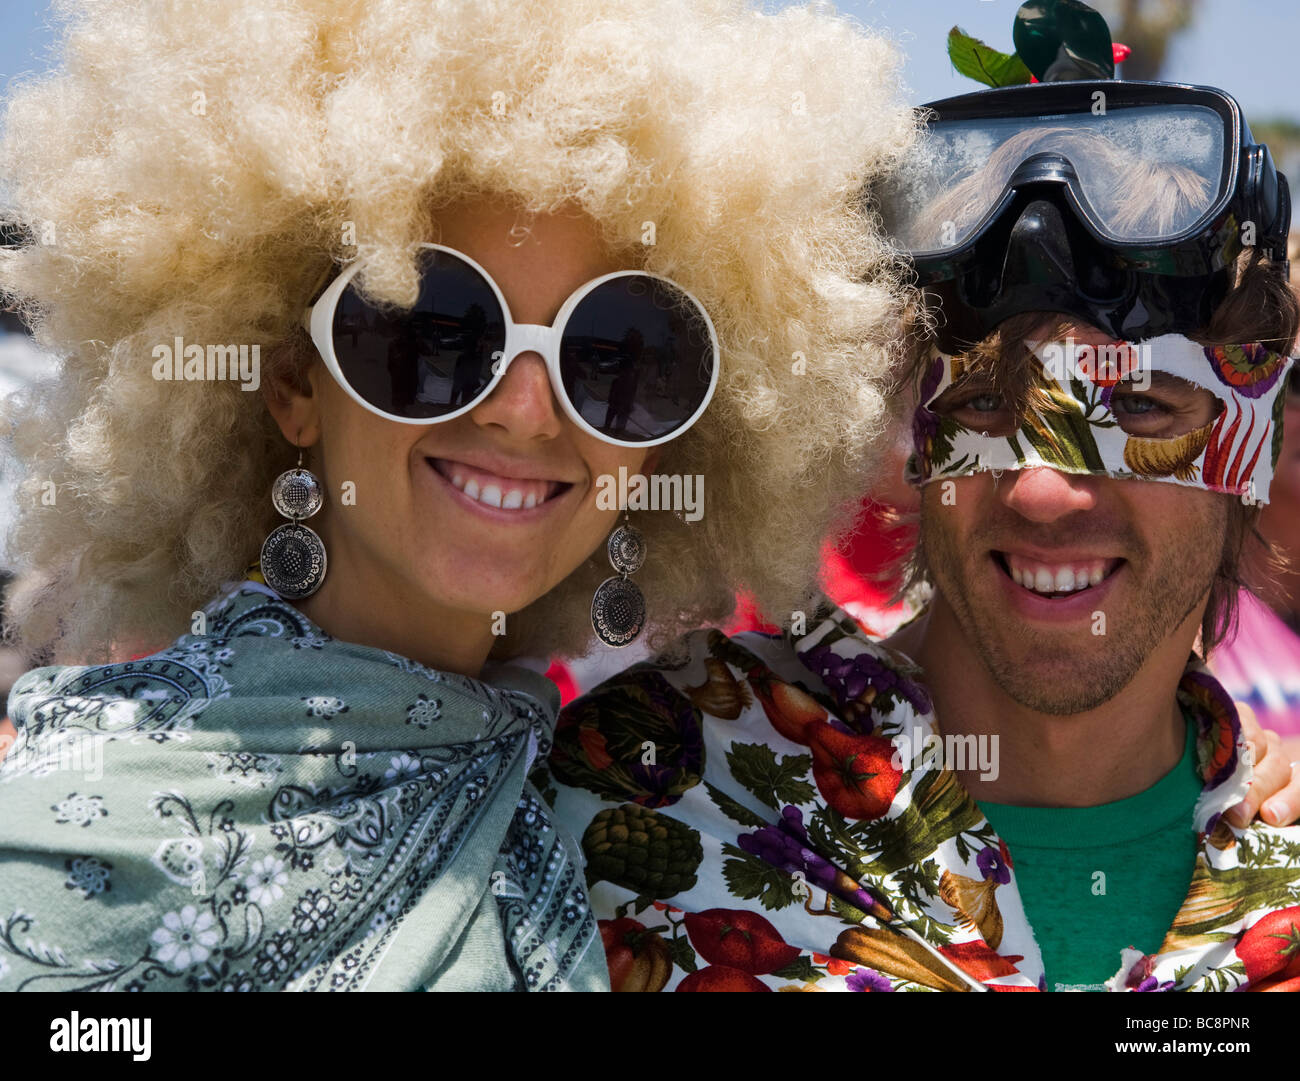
<point>1125,410</point>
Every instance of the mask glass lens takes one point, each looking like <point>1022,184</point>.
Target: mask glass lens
<point>1141,172</point>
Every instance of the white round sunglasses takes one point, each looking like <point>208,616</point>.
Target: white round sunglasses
<point>632,356</point>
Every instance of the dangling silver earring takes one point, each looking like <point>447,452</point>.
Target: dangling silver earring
<point>293,556</point>
<point>618,607</point>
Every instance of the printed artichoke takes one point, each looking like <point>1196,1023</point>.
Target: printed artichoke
<point>651,854</point>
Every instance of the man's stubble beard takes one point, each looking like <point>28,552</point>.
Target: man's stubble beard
<point>1177,584</point>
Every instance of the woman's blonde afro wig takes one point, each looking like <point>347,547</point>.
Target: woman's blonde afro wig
<point>192,168</point>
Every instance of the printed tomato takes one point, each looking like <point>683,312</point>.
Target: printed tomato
<point>738,939</point>
<point>1271,946</point>
<point>721,978</point>
<point>855,774</point>
<point>638,959</point>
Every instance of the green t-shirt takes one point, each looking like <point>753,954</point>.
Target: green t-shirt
<point>1095,880</point>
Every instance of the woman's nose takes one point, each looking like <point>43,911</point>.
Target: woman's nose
<point>522,403</point>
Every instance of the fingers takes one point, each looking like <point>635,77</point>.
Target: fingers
<point>1274,792</point>
<point>1283,808</point>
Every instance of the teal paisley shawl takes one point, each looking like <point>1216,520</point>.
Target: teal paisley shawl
<point>264,807</point>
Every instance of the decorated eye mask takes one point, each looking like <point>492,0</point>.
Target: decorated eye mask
<point>1166,409</point>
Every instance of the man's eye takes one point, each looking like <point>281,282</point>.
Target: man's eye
<point>1135,405</point>
<point>981,410</point>
<point>1163,414</point>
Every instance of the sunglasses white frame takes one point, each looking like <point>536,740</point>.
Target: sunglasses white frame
<point>318,321</point>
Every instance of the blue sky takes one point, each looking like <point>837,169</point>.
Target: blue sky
<point>1226,47</point>
<point>1222,48</point>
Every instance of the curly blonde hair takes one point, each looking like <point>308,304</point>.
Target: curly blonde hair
<point>193,169</point>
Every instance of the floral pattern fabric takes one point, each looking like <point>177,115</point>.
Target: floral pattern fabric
<point>264,807</point>
<point>1235,452</point>
<point>761,817</point>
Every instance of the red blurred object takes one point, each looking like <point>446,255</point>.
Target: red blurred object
<point>560,675</point>
<point>860,576</point>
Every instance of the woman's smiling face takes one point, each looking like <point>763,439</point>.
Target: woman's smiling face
<point>481,514</point>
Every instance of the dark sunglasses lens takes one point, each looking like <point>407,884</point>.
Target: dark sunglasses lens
<point>637,358</point>
<point>428,361</point>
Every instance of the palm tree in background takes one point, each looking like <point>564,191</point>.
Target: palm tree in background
<point>1147,27</point>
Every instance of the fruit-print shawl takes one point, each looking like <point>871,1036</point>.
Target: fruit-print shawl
<point>281,810</point>
<point>747,827</point>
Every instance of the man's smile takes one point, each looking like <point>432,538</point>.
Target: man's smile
<point>1056,577</point>
<point>1074,587</point>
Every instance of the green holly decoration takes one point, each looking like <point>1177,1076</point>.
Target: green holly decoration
<point>977,61</point>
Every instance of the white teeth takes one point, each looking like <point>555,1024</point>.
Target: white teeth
<point>1070,578</point>
<point>504,493</point>
<point>492,495</point>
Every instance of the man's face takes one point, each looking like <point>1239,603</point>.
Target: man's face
<point>1065,584</point>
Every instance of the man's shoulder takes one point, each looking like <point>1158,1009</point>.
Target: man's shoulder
<point>826,630</point>
<point>716,672</point>
<point>657,729</point>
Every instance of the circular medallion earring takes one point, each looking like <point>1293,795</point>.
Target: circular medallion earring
<point>293,555</point>
<point>618,607</point>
